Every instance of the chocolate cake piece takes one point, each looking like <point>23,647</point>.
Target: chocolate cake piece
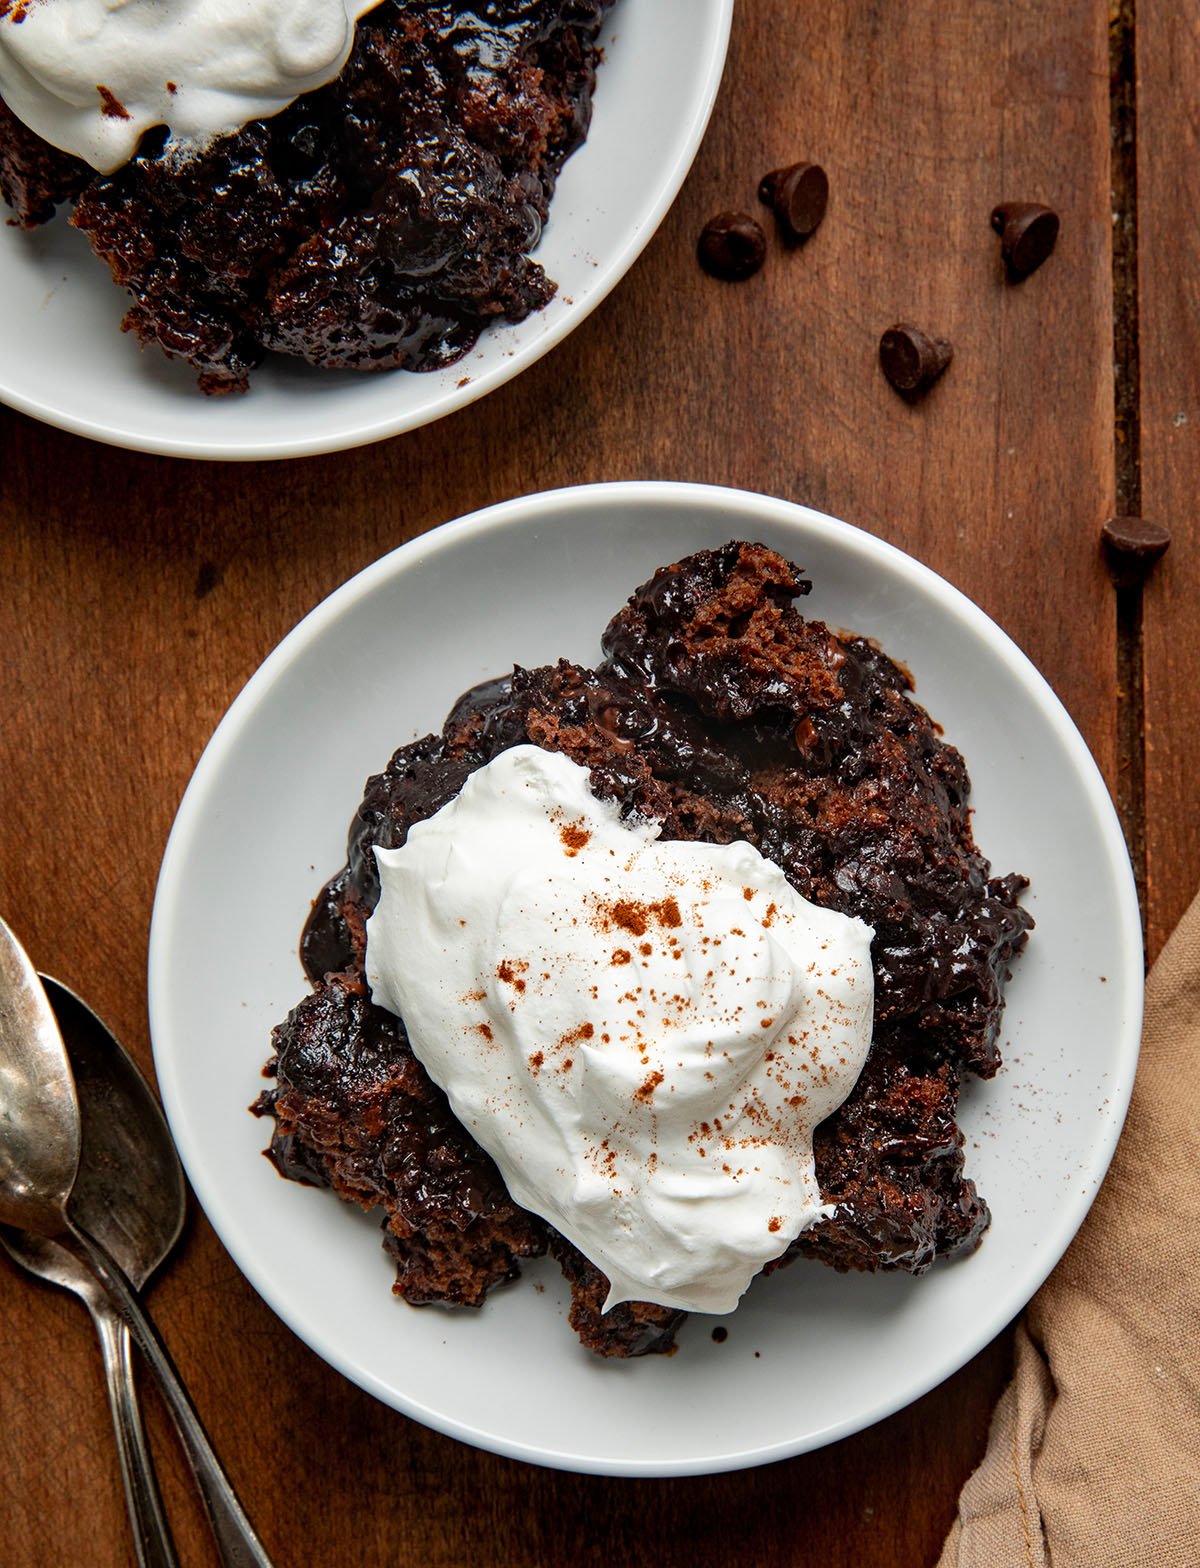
<point>381,221</point>
<point>863,805</point>
<point>632,1328</point>
<point>356,1111</point>
<point>35,178</point>
<point>891,1160</point>
<point>722,713</point>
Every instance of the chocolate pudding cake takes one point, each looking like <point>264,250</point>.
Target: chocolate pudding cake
<point>380,221</point>
<point>721,714</point>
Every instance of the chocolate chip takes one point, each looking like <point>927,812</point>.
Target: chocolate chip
<point>912,360</point>
<point>1133,545</point>
<point>798,196</point>
<point>1028,233</point>
<point>732,246</point>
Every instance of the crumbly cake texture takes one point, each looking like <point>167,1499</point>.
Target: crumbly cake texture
<point>382,221</point>
<point>721,713</point>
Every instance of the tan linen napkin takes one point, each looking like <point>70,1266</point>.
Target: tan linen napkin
<point>1093,1458</point>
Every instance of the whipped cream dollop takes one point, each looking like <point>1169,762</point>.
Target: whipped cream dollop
<point>91,76</point>
<point>642,1034</point>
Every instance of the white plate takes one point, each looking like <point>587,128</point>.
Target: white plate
<point>64,359</point>
<point>811,1355</point>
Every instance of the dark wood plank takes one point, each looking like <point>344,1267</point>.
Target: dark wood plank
<point>1168,52</point>
<point>140,593</point>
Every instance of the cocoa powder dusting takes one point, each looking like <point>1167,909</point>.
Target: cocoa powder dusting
<point>646,1093</point>
<point>506,970</point>
<point>630,915</point>
<point>583,1031</point>
<point>112,105</point>
<point>574,837</point>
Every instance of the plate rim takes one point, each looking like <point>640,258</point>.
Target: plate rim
<point>508,365</point>
<point>560,504</point>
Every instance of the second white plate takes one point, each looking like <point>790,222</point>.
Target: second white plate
<point>64,359</point>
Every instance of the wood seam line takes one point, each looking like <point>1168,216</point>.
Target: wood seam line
<point>1127,455</point>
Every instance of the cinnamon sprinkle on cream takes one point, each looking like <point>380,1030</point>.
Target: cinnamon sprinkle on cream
<point>112,105</point>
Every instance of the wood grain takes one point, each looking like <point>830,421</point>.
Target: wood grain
<point>1168,52</point>
<point>139,593</point>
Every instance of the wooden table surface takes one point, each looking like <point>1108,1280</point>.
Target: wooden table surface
<point>139,593</point>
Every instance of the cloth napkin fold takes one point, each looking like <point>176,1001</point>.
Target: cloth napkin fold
<point>1093,1458</point>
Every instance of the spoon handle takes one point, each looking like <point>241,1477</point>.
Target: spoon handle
<point>151,1535</point>
<point>237,1544</point>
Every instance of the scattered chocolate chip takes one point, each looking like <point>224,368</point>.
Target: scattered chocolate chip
<point>720,1334</point>
<point>798,196</point>
<point>732,246</point>
<point>1028,233</point>
<point>1133,545</point>
<point>912,360</point>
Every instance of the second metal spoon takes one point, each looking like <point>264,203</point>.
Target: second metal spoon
<point>49,1261</point>
<point>161,1222</point>
<point>51,1105</point>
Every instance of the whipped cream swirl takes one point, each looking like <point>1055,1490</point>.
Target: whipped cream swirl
<point>642,1034</point>
<point>92,76</point>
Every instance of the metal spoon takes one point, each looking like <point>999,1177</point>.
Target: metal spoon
<point>72,1167</point>
<point>40,1132</point>
<point>49,1261</point>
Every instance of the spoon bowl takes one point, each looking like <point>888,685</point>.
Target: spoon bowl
<point>39,1113</point>
<point>129,1193</point>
